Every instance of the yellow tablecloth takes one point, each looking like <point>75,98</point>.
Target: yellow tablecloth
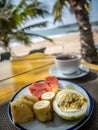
<point>17,73</point>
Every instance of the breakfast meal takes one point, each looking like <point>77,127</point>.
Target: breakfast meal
<point>46,99</point>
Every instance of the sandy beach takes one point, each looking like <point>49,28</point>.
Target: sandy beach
<point>61,44</point>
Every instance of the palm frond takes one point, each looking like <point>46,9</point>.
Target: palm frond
<point>12,18</point>
<point>27,9</point>
<point>57,9</point>
<point>36,25</point>
<point>39,35</point>
<point>22,37</point>
<point>87,6</point>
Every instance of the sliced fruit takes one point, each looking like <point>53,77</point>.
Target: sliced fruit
<point>52,81</point>
<point>27,100</point>
<point>38,88</point>
<point>48,96</point>
<point>21,113</point>
<point>38,93</point>
<point>43,110</point>
<point>70,104</point>
<point>28,97</point>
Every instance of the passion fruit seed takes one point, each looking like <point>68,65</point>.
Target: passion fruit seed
<point>71,100</point>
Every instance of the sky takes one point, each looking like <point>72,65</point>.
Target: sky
<point>68,17</point>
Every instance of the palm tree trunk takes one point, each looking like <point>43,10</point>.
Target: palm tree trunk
<point>88,50</point>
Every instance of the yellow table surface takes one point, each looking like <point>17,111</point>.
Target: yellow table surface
<point>18,73</point>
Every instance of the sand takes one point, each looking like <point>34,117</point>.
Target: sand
<point>61,44</point>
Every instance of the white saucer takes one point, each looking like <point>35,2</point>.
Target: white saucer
<point>80,72</point>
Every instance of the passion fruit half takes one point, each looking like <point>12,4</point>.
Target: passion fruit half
<point>70,104</point>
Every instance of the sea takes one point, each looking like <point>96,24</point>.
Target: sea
<point>54,32</point>
<point>64,29</point>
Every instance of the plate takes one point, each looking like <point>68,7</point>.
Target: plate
<point>57,123</point>
<point>80,72</point>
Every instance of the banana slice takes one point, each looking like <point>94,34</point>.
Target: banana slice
<point>48,96</point>
<point>43,110</point>
<point>70,104</point>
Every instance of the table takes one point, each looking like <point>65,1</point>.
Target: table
<point>16,74</point>
<point>22,71</point>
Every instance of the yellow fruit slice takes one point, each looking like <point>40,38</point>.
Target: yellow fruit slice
<point>43,110</point>
<point>48,96</point>
<point>20,112</point>
<point>27,100</point>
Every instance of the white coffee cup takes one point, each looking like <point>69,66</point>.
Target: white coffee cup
<point>67,63</point>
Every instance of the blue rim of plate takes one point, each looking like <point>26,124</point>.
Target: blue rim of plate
<point>77,126</point>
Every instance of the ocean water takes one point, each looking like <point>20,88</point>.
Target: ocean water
<point>54,32</point>
<point>57,30</point>
<point>61,30</point>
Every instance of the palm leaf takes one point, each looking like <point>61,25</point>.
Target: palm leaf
<point>22,37</point>
<point>87,6</point>
<point>57,9</point>
<point>41,24</point>
<point>39,35</point>
<point>11,25</point>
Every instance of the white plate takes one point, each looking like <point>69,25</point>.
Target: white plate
<point>57,123</point>
<point>80,72</point>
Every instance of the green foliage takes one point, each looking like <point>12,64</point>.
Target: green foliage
<point>87,6</point>
<point>60,4</point>
<point>57,9</point>
<point>13,17</point>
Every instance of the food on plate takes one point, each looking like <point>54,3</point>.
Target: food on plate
<point>52,81</point>
<point>43,110</point>
<point>48,96</point>
<point>38,88</point>
<point>22,108</point>
<point>69,86</point>
<point>28,100</point>
<point>28,97</point>
<point>21,113</point>
<point>70,104</point>
<point>56,90</point>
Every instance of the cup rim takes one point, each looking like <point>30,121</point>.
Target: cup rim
<point>78,57</point>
